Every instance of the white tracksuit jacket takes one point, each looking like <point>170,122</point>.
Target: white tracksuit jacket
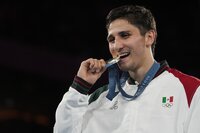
<point>169,104</point>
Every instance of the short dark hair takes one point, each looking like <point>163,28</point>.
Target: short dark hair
<point>138,16</point>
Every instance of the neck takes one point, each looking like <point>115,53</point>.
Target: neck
<point>139,74</point>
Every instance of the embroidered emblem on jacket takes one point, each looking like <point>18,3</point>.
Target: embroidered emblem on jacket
<point>115,106</point>
<point>167,101</point>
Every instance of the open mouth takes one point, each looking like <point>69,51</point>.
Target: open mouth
<point>112,61</point>
<point>123,55</point>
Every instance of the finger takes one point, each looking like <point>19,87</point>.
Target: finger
<point>91,63</point>
<point>103,63</point>
<point>100,65</point>
<point>96,65</point>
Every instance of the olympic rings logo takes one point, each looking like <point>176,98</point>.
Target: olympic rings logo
<point>167,105</point>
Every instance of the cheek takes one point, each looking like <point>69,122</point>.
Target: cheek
<point>139,46</point>
<point>140,50</point>
<point>113,51</point>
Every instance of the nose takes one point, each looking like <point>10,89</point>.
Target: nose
<point>118,45</point>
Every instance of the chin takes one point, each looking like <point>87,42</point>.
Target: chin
<point>123,67</point>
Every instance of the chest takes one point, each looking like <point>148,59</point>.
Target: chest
<point>157,108</point>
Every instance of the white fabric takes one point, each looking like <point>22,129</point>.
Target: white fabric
<point>192,124</point>
<point>146,114</point>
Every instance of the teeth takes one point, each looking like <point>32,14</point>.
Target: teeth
<point>124,54</point>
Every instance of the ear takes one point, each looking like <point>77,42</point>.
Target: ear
<point>150,37</point>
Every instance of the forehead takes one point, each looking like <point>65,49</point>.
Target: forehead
<point>120,25</point>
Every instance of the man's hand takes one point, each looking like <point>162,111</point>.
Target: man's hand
<point>91,69</point>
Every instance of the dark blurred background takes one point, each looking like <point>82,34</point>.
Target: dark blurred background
<point>43,42</point>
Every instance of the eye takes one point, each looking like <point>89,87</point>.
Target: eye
<point>111,39</point>
<point>124,34</point>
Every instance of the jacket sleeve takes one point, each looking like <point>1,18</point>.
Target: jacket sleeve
<point>192,124</point>
<point>70,111</point>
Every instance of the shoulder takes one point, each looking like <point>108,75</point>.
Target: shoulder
<point>190,83</point>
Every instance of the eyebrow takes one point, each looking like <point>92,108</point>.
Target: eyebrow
<point>122,32</point>
<point>119,33</point>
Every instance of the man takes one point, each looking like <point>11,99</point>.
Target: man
<point>143,95</point>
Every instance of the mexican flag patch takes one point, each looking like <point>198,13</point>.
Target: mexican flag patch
<point>167,101</point>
